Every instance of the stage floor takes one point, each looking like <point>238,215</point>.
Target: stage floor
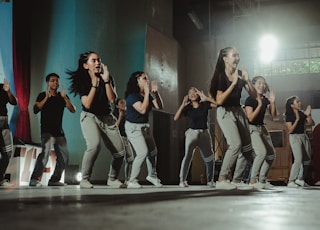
<point>170,207</point>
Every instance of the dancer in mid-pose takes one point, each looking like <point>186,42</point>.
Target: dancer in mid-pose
<point>196,106</point>
<point>95,86</point>
<point>296,119</point>
<point>226,87</point>
<point>261,141</point>
<point>140,100</point>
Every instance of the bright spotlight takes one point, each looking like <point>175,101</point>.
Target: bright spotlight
<point>268,46</point>
<point>78,176</point>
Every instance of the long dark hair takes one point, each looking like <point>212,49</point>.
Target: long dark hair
<point>132,85</point>
<point>219,70</point>
<point>80,79</point>
<point>289,111</point>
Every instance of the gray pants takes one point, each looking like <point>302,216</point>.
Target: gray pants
<point>144,146</point>
<point>264,153</point>
<point>6,145</point>
<point>200,138</point>
<point>128,160</point>
<point>62,154</point>
<point>234,125</point>
<point>301,149</point>
<point>94,128</point>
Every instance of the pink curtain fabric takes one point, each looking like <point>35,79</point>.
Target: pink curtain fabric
<point>21,65</point>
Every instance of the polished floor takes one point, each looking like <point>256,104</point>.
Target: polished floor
<point>170,207</point>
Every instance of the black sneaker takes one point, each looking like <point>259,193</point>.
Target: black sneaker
<point>56,183</point>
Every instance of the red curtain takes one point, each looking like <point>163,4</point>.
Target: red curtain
<point>21,65</point>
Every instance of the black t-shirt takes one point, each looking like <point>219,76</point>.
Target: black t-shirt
<point>252,102</point>
<point>132,115</point>
<point>100,105</point>
<point>300,126</point>
<point>234,98</point>
<point>51,114</point>
<point>198,117</point>
<point>4,99</point>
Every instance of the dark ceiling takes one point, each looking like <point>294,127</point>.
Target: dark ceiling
<point>216,15</point>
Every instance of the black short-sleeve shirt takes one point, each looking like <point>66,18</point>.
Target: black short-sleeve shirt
<point>132,115</point>
<point>234,98</point>
<point>100,105</point>
<point>51,114</point>
<point>198,117</point>
<point>252,102</point>
<point>300,126</point>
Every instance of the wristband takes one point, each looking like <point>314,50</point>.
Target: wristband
<point>107,82</point>
<point>94,87</point>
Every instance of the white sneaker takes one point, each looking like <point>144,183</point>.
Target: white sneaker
<point>211,184</point>
<point>85,184</point>
<point>301,183</point>
<point>317,183</point>
<point>292,185</point>
<point>242,186</point>
<point>183,184</point>
<point>267,185</point>
<point>257,185</point>
<point>154,180</point>
<point>133,184</point>
<point>115,183</point>
<point>225,185</point>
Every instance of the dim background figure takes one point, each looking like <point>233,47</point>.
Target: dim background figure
<point>51,104</point>
<point>120,112</point>
<point>6,142</point>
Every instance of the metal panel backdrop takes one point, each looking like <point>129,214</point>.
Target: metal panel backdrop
<point>161,60</point>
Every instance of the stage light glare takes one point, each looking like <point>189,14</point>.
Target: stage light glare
<point>78,176</point>
<point>268,47</point>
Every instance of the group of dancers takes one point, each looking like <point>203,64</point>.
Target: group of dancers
<point>123,126</point>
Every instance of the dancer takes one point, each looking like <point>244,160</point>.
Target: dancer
<point>140,99</point>
<point>6,142</point>
<point>296,119</point>
<point>196,106</point>
<point>95,86</point>
<point>51,104</point>
<point>261,141</point>
<point>226,87</point>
